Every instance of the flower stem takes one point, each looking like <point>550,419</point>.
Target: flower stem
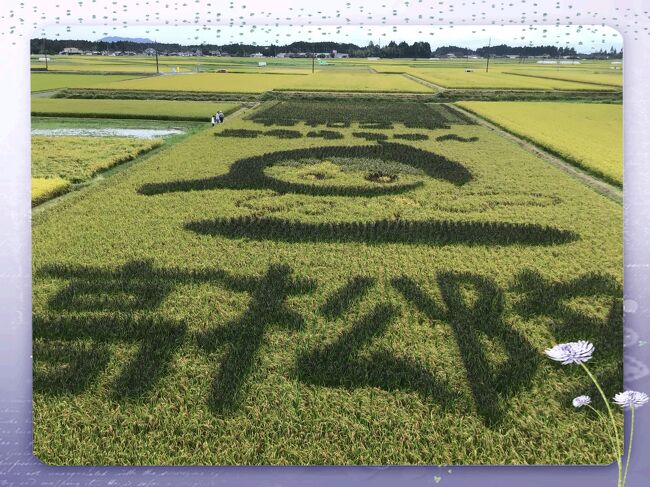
<point>619,451</point>
<point>602,418</point>
<point>629,449</point>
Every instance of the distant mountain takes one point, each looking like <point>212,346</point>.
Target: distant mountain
<point>139,40</point>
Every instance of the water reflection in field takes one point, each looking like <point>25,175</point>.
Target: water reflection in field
<point>108,132</point>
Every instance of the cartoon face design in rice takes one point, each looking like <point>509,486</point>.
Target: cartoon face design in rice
<point>260,173</point>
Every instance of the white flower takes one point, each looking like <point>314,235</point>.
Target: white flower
<point>630,399</point>
<point>580,401</point>
<point>571,353</point>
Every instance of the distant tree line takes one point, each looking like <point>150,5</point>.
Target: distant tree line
<point>526,51</point>
<point>523,51</point>
<point>393,50</point>
<point>390,50</point>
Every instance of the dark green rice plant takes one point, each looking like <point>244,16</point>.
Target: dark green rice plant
<point>376,125</point>
<point>96,93</point>
<point>411,136</point>
<point>284,133</point>
<point>429,232</point>
<point>243,133</point>
<point>340,125</point>
<point>325,134</point>
<point>370,136</point>
<point>456,137</point>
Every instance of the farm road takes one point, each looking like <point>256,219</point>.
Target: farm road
<point>608,190</point>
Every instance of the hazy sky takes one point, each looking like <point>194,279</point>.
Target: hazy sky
<point>583,39</point>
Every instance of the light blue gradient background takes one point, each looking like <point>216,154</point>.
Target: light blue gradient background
<point>19,467</point>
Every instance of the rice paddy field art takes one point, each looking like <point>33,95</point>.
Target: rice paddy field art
<point>368,262</point>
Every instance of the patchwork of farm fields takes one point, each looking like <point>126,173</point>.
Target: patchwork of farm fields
<point>324,282</point>
<point>245,76</point>
<point>588,134</point>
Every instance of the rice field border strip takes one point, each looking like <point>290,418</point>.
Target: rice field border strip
<point>473,94</point>
<point>97,93</point>
<point>453,94</point>
<point>599,185</point>
<point>363,92</point>
<point>446,95</point>
<point>122,116</point>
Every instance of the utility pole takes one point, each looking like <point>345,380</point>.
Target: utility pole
<point>156,50</point>
<point>45,53</point>
<point>487,64</point>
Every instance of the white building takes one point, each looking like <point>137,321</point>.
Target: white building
<point>70,51</point>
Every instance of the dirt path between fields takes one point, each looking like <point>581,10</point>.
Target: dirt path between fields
<point>44,94</point>
<point>424,82</point>
<point>241,110</point>
<point>608,190</point>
